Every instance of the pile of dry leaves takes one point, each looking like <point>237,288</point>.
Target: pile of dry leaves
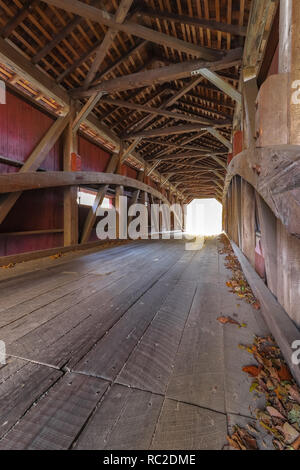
<point>281,417</point>
<point>238,283</point>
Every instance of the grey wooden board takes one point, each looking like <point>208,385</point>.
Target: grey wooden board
<point>125,420</point>
<point>21,384</point>
<point>133,315</point>
<point>237,384</point>
<point>60,299</point>
<point>198,374</point>
<point>151,363</point>
<point>186,427</point>
<point>35,284</point>
<point>42,344</point>
<point>59,416</point>
<point>109,354</point>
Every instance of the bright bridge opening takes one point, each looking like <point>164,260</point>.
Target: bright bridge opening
<point>204,217</point>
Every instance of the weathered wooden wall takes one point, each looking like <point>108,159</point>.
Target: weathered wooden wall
<point>41,213</point>
<point>281,250</point>
<point>21,128</point>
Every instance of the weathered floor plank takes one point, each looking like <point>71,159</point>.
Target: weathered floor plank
<point>125,420</point>
<point>150,365</point>
<point>21,384</point>
<point>122,349</point>
<point>59,416</point>
<point>183,426</point>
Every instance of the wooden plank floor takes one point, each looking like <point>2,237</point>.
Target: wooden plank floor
<point>121,349</point>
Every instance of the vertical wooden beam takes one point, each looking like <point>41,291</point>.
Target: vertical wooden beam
<point>268,227</point>
<point>135,195</point>
<point>248,221</point>
<point>250,91</point>
<point>91,217</point>
<point>118,206</point>
<point>70,194</point>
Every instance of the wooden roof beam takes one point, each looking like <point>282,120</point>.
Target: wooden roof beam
<point>19,18</point>
<point>221,138</point>
<point>10,56</point>
<point>103,17</point>
<point>182,129</point>
<point>161,75</point>
<point>220,83</point>
<point>103,48</point>
<point>156,112</point>
<point>39,79</point>
<point>180,146</point>
<point>59,37</point>
<point>194,21</point>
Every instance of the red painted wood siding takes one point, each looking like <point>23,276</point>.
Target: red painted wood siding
<point>93,157</point>
<point>21,128</point>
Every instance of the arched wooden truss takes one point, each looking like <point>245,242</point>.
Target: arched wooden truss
<point>53,179</point>
<point>274,173</point>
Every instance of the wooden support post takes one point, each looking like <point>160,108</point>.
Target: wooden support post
<point>135,195</point>
<point>268,227</point>
<point>250,91</point>
<point>118,207</point>
<point>70,194</point>
<point>91,217</point>
<point>248,221</point>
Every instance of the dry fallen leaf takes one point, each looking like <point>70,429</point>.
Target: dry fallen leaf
<point>284,373</point>
<point>225,320</point>
<point>273,412</point>
<point>253,371</point>
<point>296,444</point>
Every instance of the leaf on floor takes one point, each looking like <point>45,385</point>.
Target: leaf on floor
<point>273,379</point>
<point>253,371</point>
<point>242,439</point>
<point>238,284</point>
<point>9,266</point>
<point>230,320</point>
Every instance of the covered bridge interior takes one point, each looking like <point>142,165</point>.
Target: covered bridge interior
<point>141,344</point>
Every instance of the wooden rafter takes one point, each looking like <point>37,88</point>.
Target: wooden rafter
<point>19,18</point>
<point>103,17</point>
<point>193,21</point>
<point>102,49</point>
<point>162,74</point>
<point>148,110</point>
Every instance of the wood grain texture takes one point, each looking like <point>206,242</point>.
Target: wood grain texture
<point>142,315</point>
<point>126,420</point>
<point>183,426</point>
<point>22,383</point>
<point>59,416</point>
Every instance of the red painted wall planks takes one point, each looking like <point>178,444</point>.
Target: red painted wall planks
<point>21,128</point>
<point>93,157</point>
